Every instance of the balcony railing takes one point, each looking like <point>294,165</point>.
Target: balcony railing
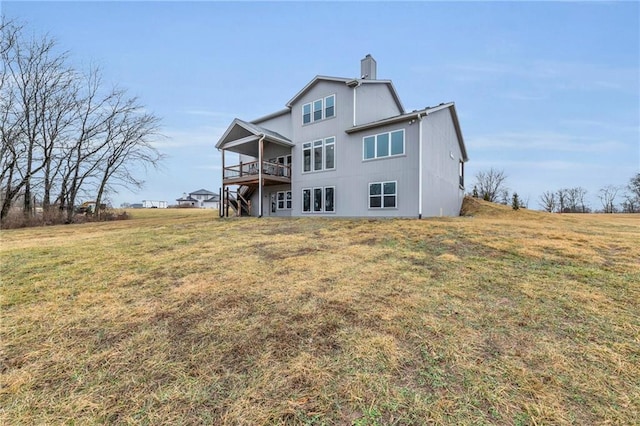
<point>252,169</point>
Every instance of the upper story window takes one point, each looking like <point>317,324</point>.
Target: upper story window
<point>319,155</point>
<point>461,173</point>
<point>319,109</point>
<point>383,145</point>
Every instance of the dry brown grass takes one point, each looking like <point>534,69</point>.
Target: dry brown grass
<point>178,317</point>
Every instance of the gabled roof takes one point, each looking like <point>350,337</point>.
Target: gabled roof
<point>348,81</point>
<point>270,116</point>
<point>414,114</point>
<point>202,192</point>
<point>240,130</point>
<point>213,199</point>
<point>186,199</point>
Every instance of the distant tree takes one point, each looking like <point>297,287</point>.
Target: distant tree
<point>548,201</point>
<point>490,185</point>
<point>515,201</point>
<point>562,199</point>
<point>634,185</point>
<point>504,196</point>
<point>631,203</point>
<point>607,197</point>
<point>575,200</point>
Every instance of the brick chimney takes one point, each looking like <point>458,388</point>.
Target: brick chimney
<point>368,70</point>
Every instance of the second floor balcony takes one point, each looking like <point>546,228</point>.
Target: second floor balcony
<point>249,172</point>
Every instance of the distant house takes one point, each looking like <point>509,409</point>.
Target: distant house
<point>201,198</point>
<point>346,147</point>
<point>154,204</point>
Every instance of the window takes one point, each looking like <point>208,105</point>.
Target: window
<point>306,200</point>
<point>383,145</point>
<point>284,200</point>
<point>306,113</point>
<point>318,200</point>
<point>306,157</point>
<point>319,155</point>
<point>329,107</point>
<point>461,173</point>
<point>284,165</point>
<point>319,109</point>
<point>383,195</point>
<point>328,199</point>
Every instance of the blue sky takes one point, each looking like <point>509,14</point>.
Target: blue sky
<point>549,92</point>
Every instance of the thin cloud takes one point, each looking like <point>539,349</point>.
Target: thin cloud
<point>554,75</point>
<point>208,113</point>
<point>205,136</point>
<point>543,141</point>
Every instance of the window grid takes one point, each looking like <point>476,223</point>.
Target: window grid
<point>283,200</point>
<point>383,195</point>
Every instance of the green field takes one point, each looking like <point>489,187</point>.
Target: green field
<point>179,317</point>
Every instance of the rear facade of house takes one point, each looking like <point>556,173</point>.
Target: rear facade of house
<point>345,147</point>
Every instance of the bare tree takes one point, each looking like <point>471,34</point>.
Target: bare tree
<point>128,133</point>
<point>607,197</point>
<point>548,201</point>
<point>634,185</point>
<point>562,199</point>
<point>631,203</point>
<point>63,134</point>
<point>491,185</point>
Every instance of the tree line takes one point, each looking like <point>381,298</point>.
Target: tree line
<point>491,186</point>
<point>66,136</point>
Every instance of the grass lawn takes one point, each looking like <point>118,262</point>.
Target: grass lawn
<point>179,317</point>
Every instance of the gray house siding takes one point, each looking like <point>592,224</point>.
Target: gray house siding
<point>280,124</point>
<point>441,192</point>
<point>374,102</point>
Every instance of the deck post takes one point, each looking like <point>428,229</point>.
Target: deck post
<point>260,165</point>
<point>223,187</point>
<point>227,203</point>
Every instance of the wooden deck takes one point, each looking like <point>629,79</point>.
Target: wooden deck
<point>249,173</point>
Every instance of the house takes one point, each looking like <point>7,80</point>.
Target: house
<point>200,198</point>
<point>154,204</point>
<point>345,147</point>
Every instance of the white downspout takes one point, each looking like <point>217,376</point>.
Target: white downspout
<point>354,102</point>
<point>419,166</point>
<point>260,175</point>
